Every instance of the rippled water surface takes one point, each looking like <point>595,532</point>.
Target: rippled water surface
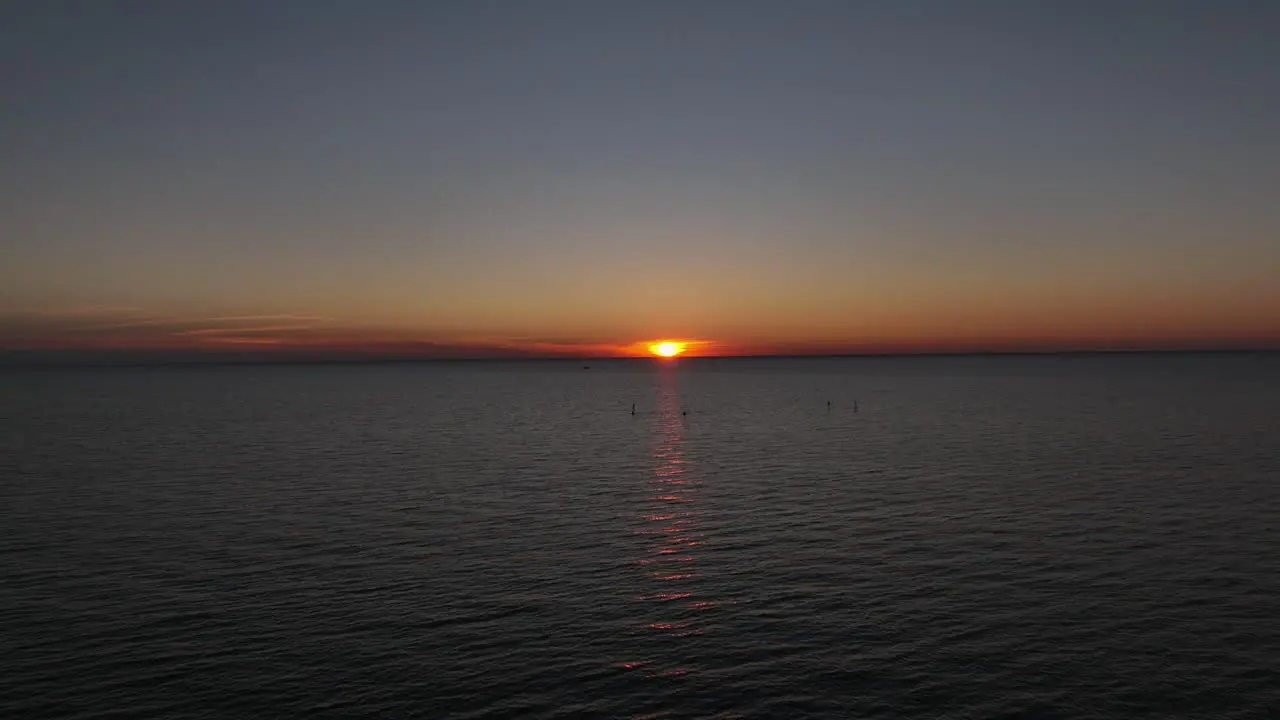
<point>980,537</point>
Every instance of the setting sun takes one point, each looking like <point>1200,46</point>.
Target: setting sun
<point>667,349</point>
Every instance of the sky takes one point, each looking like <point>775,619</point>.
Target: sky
<point>554,177</point>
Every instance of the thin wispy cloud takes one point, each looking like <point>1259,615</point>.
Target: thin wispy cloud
<point>244,330</point>
<point>244,340</point>
<point>264,318</point>
<point>196,323</point>
<point>107,325</point>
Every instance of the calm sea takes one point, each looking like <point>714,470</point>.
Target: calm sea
<point>1091,537</point>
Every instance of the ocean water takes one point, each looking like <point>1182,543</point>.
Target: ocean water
<point>1084,537</point>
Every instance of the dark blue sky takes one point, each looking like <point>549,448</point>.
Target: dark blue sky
<point>603,172</point>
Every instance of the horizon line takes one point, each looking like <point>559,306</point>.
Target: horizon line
<point>21,359</point>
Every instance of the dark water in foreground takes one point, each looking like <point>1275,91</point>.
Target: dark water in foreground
<point>1038,537</point>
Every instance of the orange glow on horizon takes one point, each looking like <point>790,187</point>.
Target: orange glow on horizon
<point>962,329</point>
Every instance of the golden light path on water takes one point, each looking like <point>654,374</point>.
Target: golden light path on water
<point>669,514</point>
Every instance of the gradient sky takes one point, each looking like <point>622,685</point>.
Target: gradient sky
<point>588,175</point>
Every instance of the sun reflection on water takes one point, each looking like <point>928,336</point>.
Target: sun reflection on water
<point>673,612</point>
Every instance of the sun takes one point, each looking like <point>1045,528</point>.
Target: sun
<point>667,349</point>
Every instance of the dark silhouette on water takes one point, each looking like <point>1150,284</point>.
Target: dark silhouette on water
<point>633,408</point>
